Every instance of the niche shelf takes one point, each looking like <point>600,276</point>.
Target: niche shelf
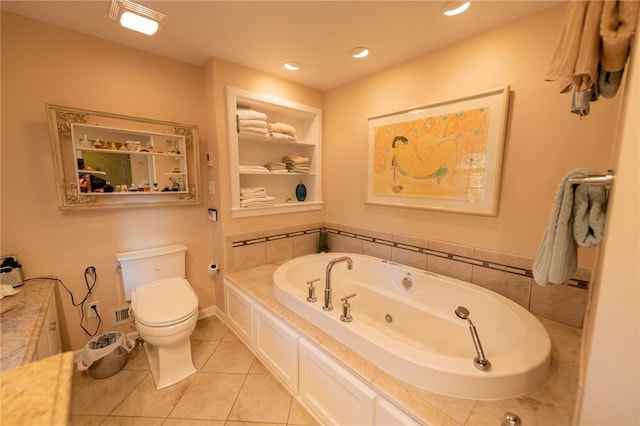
<point>130,157</point>
<point>256,150</point>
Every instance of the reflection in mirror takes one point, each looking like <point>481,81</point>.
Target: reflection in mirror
<point>108,160</point>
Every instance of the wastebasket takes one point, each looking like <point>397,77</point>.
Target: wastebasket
<point>105,355</point>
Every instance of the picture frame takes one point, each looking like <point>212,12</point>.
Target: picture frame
<point>444,156</point>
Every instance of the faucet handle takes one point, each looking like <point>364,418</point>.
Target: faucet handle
<point>344,299</point>
<point>312,290</point>
<point>346,309</point>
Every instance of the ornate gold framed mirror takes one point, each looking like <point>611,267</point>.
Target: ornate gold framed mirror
<point>105,160</point>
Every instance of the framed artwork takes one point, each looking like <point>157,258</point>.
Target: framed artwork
<point>444,156</point>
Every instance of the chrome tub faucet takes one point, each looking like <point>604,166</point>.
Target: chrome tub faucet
<point>327,290</point>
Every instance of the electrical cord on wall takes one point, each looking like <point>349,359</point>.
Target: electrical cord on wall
<point>89,273</point>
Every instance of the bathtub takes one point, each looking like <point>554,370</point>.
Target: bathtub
<point>414,334</point>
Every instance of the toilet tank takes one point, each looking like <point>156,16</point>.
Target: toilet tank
<point>143,266</point>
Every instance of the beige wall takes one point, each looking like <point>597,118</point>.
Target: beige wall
<point>543,142</point>
<point>46,64</point>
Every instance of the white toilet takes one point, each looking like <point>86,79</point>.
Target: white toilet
<point>164,307</point>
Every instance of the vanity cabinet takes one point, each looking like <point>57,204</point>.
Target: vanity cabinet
<point>130,161</point>
<point>49,341</point>
<point>256,150</point>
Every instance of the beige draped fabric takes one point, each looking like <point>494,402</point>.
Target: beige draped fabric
<point>577,54</point>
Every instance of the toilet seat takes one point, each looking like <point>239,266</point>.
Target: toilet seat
<point>164,302</point>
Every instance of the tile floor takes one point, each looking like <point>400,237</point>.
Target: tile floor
<point>230,388</point>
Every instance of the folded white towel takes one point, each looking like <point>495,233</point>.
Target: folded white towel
<point>277,127</point>
<point>246,168</point>
<point>257,202</point>
<point>275,166</point>
<point>254,131</point>
<point>577,217</point>
<point>249,190</point>
<point>250,114</point>
<point>281,136</point>
<point>258,127</point>
<point>295,159</point>
<point>253,123</point>
<point>255,197</point>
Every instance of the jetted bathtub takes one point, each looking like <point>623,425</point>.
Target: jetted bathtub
<point>414,334</point>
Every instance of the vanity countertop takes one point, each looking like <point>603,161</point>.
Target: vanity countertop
<point>38,393</point>
<point>33,393</point>
<point>21,322</point>
<point>553,403</point>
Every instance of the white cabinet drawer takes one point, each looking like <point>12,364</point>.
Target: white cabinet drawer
<point>332,392</point>
<point>49,341</point>
<point>276,344</point>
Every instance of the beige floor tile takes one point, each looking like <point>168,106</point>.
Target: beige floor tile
<point>201,351</point>
<point>133,421</point>
<point>209,397</point>
<point>137,360</point>
<point>85,420</point>
<point>299,416</point>
<point>253,424</point>
<point>229,357</point>
<point>230,337</point>
<point>258,367</point>
<point>210,328</point>
<point>146,400</point>
<point>100,397</point>
<point>191,422</point>
<point>80,380</point>
<point>262,399</point>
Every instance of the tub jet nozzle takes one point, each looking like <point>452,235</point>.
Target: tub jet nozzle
<point>480,362</point>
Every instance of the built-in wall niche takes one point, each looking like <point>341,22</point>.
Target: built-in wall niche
<point>105,160</point>
<point>249,152</point>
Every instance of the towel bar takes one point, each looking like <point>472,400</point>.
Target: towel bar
<point>605,180</point>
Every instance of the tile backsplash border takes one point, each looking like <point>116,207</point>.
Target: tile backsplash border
<point>504,273</point>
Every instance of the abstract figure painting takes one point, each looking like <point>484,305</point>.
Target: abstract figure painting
<point>444,156</point>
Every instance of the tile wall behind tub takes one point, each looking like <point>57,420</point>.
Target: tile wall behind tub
<point>250,249</point>
<point>507,274</point>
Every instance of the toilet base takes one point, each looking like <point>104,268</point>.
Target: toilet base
<point>169,365</point>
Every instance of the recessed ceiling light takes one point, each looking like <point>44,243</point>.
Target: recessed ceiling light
<point>136,17</point>
<point>455,7</point>
<point>359,52</point>
<point>293,66</point>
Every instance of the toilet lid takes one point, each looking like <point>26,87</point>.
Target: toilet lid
<point>164,302</point>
